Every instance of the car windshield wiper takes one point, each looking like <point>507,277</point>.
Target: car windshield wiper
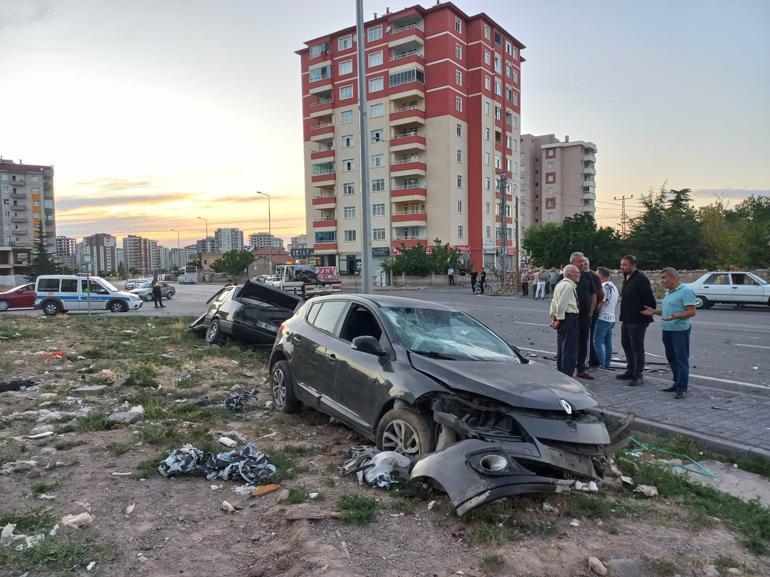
<point>434,355</point>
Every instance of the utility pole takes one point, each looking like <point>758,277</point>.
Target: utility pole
<point>503,183</point>
<point>517,252</point>
<point>623,217</point>
<point>366,279</point>
<point>269,230</point>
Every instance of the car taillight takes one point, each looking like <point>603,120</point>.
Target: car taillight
<point>280,329</point>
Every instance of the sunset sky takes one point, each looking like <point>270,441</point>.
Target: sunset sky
<point>155,112</point>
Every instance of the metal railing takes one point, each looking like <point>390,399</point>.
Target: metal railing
<point>407,107</point>
<point>405,27</point>
<point>406,160</point>
<point>407,133</point>
<point>408,185</point>
<point>405,54</point>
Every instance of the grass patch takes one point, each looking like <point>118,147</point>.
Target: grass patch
<point>118,449</point>
<point>402,505</point>
<point>298,494</point>
<point>96,422</point>
<point>748,518</point>
<point>11,450</point>
<point>59,553</point>
<point>149,467</point>
<point>30,521</point>
<point>598,507</point>
<point>492,562</point>
<point>501,521</point>
<point>67,445</point>
<point>285,463</point>
<point>159,435</point>
<point>142,376</point>
<point>356,509</point>
<point>302,451</point>
<point>41,488</point>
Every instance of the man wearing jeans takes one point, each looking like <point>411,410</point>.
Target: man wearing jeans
<point>677,312</point>
<point>605,321</point>
<point>635,296</point>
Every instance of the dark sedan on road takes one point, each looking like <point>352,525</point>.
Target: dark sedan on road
<point>251,313</point>
<point>430,381</point>
<point>20,297</point>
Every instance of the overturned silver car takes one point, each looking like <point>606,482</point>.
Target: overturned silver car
<point>435,384</point>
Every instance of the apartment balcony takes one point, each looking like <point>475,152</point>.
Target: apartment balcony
<point>321,107</point>
<point>19,207</point>
<point>318,154</point>
<point>589,183</point>
<point>404,167</point>
<point>20,181</point>
<point>407,51</point>
<point>18,194</point>
<point>20,232</point>
<point>19,219</point>
<point>405,31</point>
<point>325,201</point>
<point>407,242</point>
<point>408,193</point>
<point>589,170</point>
<point>406,140</point>
<point>324,179</point>
<point>320,223</point>
<point>325,248</point>
<point>588,196</point>
<point>321,131</point>
<point>589,157</point>
<point>414,219</point>
<point>324,84</point>
<point>407,115</point>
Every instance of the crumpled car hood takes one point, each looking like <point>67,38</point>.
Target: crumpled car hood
<point>529,386</point>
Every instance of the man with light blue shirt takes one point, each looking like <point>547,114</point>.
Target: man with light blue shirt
<point>677,311</point>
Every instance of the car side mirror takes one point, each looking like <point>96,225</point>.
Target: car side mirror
<point>367,344</point>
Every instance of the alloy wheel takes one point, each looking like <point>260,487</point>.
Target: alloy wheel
<point>401,437</point>
<point>279,388</point>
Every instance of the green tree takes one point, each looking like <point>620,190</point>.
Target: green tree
<point>234,262</point>
<point>719,239</point>
<point>753,231</point>
<point>42,261</point>
<point>122,270</point>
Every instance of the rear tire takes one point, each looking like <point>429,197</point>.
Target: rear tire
<point>406,431</point>
<point>214,332</point>
<point>702,302</point>
<point>4,306</point>
<point>282,388</point>
<point>51,308</point>
<point>117,307</point>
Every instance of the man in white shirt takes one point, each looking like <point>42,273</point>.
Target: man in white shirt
<point>606,321</point>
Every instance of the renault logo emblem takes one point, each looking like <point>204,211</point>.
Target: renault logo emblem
<point>566,406</point>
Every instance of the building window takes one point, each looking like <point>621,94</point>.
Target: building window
<point>550,190</point>
<point>406,76</point>
<point>508,93</point>
<point>498,64</point>
<point>487,82</point>
<point>487,207</point>
<point>347,165</point>
<point>513,53</point>
<point>550,177</point>
<point>378,209</point>
<point>345,67</point>
<point>508,70</point>
<point>487,134</point>
<point>348,141</point>
<point>376,110</point>
<point>459,181</point>
<point>487,183</point>
<point>375,59</point>
<point>488,233</point>
<point>509,141</point>
<point>508,164</point>
<point>459,130</point>
<point>498,87</point>
<point>487,31</point>
<point>374,33</point>
<point>317,49</point>
<point>458,77</point>
<point>487,159</point>
<point>378,233</point>
<point>460,231</point>
<point>550,203</point>
<point>346,92</point>
<point>458,25</point>
<point>326,236</point>
<point>550,164</point>
<point>487,57</point>
<point>459,155</point>
<point>377,160</point>
<point>346,117</point>
<point>345,42</point>
<point>378,185</point>
<point>487,108</point>
<point>515,77</point>
<point>515,99</point>
<point>459,103</point>
<point>349,212</point>
<point>508,48</point>
<point>321,73</point>
<point>550,216</point>
<point>459,207</point>
<point>458,51</point>
<point>498,161</point>
<point>376,84</point>
<point>350,235</point>
<point>378,135</point>
<point>348,188</point>
<point>550,153</point>
<point>498,113</point>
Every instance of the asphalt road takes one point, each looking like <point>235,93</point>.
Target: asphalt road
<point>730,348</point>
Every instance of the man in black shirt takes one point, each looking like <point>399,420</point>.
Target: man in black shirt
<point>635,295</point>
<point>586,297</point>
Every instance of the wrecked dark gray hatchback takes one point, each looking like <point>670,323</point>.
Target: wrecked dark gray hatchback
<point>434,383</point>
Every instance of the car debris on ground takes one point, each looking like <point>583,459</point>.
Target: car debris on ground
<point>239,400</point>
<point>248,464</point>
<point>377,468</point>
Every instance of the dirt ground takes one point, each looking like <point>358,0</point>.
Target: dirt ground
<point>177,527</point>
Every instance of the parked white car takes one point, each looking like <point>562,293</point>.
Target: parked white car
<point>58,293</point>
<point>734,287</point>
<point>132,283</point>
<point>144,291</point>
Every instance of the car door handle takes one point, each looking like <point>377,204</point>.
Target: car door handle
<point>735,288</point>
<point>331,357</point>
<point>296,339</point>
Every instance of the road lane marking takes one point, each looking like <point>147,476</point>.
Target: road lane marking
<point>751,346</point>
<point>715,379</point>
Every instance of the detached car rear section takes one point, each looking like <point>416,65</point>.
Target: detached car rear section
<point>251,313</point>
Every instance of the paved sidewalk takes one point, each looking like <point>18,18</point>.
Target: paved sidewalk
<point>732,422</point>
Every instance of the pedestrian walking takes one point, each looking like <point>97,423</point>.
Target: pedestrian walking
<point>676,312</point>
<point>542,277</point>
<point>533,282</point>
<point>635,295</point>
<point>605,322</point>
<point>157,297</point>
<point>451,274</point>
<point>482,280</point>
<point>593,360</point>
<point>474,280</point>
<point>564,318</point>
<point>525,283</point>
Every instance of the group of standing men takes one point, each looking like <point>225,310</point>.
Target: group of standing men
<point>542,281</point>
<point>583,313</point>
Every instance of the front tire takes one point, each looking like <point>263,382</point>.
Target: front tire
<point>702,302</point>
<point>117,307</point>
<point>406,431</point>
<point>282,388</point>
<point>51,308</point>
<point>214,332</point>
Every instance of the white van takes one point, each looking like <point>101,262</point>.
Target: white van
<point>58,293</point>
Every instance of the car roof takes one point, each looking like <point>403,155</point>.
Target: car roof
<point>385,301</point>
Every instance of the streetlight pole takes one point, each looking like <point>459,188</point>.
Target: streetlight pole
<point>269,230</point>
<point>205,240</point>
<point>366,279</point>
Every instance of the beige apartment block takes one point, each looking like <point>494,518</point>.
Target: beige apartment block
<point>558,179</point>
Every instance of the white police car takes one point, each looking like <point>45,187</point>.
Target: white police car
<point>58,293</point>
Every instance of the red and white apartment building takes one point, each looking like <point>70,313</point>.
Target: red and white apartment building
<point>444,100</point>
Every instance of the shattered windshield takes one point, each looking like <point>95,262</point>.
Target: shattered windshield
<point>447,335</point>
